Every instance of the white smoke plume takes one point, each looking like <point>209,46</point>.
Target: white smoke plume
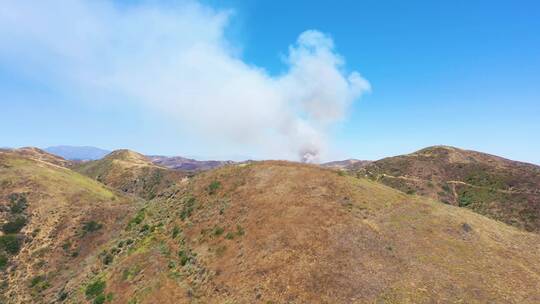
<point>176,60</point>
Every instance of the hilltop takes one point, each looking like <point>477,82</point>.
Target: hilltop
<point>499,188</point>
<point>40,155</point>
<point>129,172</point>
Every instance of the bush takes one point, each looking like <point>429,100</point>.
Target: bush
<point>139,217</point>
<point>175,232</point>
<point>185,257</point>
<point>14,226</point>
<point>36,280</point>
<point>39,283</point>
<point>218,231</point>
<point>229,236</point>
<point>239,230</point>
<point>187,209</point>
<point>95,289</point>
<point>213,187</point>
<point>100,299</point>
<point>3,261</point>
<point>18,203</point>
<point>9,243</point>
<point>91,226</point>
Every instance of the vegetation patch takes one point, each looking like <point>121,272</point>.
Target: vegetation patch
<point>185,256</point>
<point>175,232</point>
<point>39,283</point>
<point>10,243</point>
<point>95,291</point>
<point>187,209</point>
<point>15,225</point>
<point>91,226</point>
<point>129,273</point>
<point>139,217</point>
<point>213,187</point>
<point>18,203</point>
<point>218,231</point>
<point>3,261</point>
<point>240,230</point>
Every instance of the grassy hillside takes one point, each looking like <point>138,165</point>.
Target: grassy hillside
<point>502,189</point>
<point>277,232</point>
<point>53,221</point>
<point>130,172</point>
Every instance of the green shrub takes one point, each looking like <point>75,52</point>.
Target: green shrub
<point>185,257</point>
<point>465,199</point>
<point>411,191</point>
<point>91,226</point>
<point>14,226</point>
<point>175,232</point>
<point>35,280</point>
<point>218,231</point>
<point>3,261</point>
<point>100,299</point>
<point>187,209</point>
<point>18,203</point>
<point>39,283</point>
<point>145,228</point>
<point>239,230</point>
<point>229,235</point>
<point>213,187</point>
<point>107,259</point>
<point>10,243</point>
<point>95,289</point>
<point>139,217</point>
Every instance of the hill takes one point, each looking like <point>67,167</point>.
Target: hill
<point>345,164</point>
<point>78,153</point>
<point>499,188</point>
<point>277,232</point>
<point>129,172</point>
<point>40,155</point>
<point>53,220</point>
<point>186,164</point>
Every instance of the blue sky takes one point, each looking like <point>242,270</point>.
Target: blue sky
<point>461,73</point>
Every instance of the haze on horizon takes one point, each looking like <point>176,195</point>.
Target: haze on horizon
<point>323,81</point>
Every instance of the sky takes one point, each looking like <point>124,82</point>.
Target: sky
<point>313,80</point>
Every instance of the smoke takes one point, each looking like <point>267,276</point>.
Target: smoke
<point>176,60</point>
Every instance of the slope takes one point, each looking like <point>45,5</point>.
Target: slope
<point>53,220</point>
<point>130,172</point>
<point>502,189</point>
<point>277,232</point>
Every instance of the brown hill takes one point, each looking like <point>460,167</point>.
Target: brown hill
<point>499,188</point>
<point>41,155</point>
<point>129,172</point>
<point>277,232</point>
<point>53,220</point>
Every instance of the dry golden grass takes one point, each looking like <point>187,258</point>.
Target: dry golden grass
<point>54,245</point>
<point>278,232</point>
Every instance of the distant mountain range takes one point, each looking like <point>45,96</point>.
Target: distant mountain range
<point>78,153</point>
<point>186,164</point>
<point>345,164</point>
